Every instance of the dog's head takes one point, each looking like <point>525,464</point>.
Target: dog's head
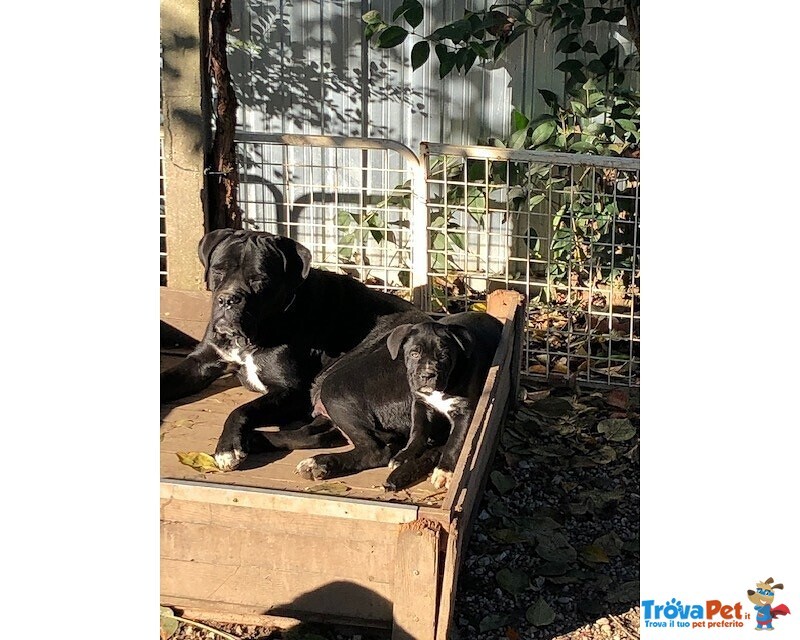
<point>253,276</point>
<point>430,351</point>
<point>764,592</point>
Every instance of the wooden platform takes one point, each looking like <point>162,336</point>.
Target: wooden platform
<point>261,541</point>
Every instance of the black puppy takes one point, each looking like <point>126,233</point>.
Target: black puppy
<point>390,407</point>
<point>275,321</point>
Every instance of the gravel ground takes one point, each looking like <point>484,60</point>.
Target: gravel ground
<point>554,551</point>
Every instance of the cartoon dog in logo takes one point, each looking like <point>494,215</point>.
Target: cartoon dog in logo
<point>762,597</point>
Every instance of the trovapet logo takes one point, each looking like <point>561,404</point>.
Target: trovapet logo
<point>717,614</point>
<point>763,597</point>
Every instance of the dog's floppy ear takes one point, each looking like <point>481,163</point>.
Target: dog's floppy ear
<point>208,243</point>
<point>395,339</point>
<point>296,257</point>
<point>463,337</point>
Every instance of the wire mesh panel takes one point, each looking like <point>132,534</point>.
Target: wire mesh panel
<point>162,219</point>
<point>351,201</point>
<point>561,228</point>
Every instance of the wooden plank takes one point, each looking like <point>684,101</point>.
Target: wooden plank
<point>186,311</point>
<point>415,581</point>
<point>288,502</point>
<point>276,592</point>
<point>332,555</point>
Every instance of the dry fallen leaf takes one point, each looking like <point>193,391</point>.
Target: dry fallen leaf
<point>335,488</point>
<point>198,460</point>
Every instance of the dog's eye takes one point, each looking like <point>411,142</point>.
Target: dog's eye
<point>414,355</point>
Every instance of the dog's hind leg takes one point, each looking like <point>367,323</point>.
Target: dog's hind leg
<point>318,434</point>
<point>368,452</point>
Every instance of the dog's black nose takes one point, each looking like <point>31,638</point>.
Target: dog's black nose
<point>229,299</point>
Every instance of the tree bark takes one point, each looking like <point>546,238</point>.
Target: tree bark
<point>223,178</point>
<point>632,15</point>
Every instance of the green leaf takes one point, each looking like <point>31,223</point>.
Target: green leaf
<point>447,59</point>
<point>514,581</point>
<point>519,120</point>
<point>420,53</point>
<point>604,455</point>
<point>617,429</point>
<point>566,41</point>
<point>582,146</point>
<point>169,625</point>
<point>372,17</point>
<point>411,11</point>
<point>578,108</point>
<point>615,15</point>
<point>570,66</point>
<point>628,125</point>
<point>518,138</point>
<point>502,482</point>
<point>542,133</point>
<point>550,98</point>
<point>391,37</point>
<point>540,614</point>
<point>597,15</point>
<point>536,199</point>
<point>457,31</point>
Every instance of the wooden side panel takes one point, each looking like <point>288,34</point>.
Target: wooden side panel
<point>416,575</point>
<point>274,562</point>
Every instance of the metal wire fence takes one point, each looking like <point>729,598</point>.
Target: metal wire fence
<point>354,202</point>
<point>563,229</point>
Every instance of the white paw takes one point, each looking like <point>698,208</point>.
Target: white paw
<point>440,478</point>
<point>310,469</point>
<point>393,464</point>
<point>229,460</point>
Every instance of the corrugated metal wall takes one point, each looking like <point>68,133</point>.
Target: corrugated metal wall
<point>305,69</point>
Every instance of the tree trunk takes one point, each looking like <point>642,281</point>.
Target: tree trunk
<point>223,179</point>
<point>632,15</point>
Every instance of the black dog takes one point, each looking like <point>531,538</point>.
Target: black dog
<point>392,409</point>
<point>275,321</point>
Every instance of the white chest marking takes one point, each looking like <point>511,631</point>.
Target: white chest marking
<point>250,369</point>
<point>437,400</point>
<point>251,373</point>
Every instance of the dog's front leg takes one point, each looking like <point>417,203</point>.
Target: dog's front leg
<point>418,437</point>
<point>460,417</point>
<point>238,438</point>
<point>198,370</point>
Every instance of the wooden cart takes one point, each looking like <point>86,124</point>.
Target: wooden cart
<point>263,546</point>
